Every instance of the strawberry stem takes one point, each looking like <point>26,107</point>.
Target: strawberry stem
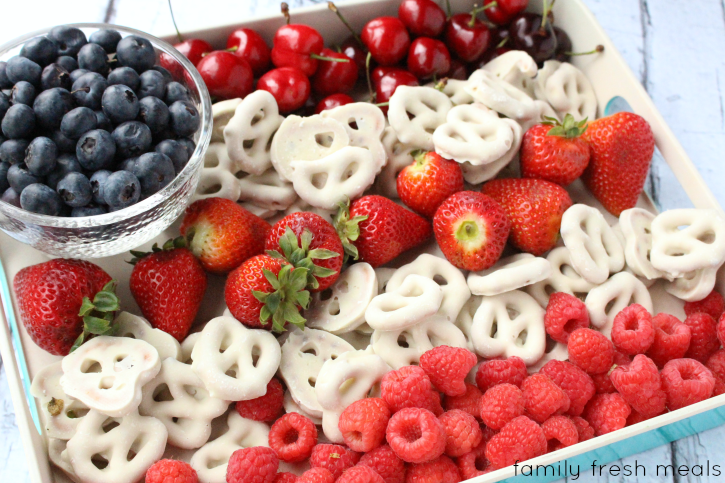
<point>283,305</point>
<point>347,229</point>
<point>169,245</point>
<point>98,315</point>
<point>569,129</point>
<point>302,256</point>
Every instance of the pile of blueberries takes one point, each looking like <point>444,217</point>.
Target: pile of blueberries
<point>90,125</point>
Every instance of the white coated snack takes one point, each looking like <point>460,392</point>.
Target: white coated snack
<point>301,205</point>
<point>221,113</point>
<point>264,213</point>
<point>594,247</point>
<point>563,278</point>
<point>344,380</point>
<point>107,373</point>
<point>415,112</point>
<point>303,354</point>
<point>455,89</point>
<point>58,455</point>
<point>478,174</point>
<point>369,123</point>
<point>267,190</point>
<point>211,460</point>
<point>542,110</point>
<point>224,358</point>
<point>465,318</point>
<point>218,177</point>
<point>567,89</point>
<point>188,346</point>
<point>687,240</point>
<point>249,131</point>
<point>341,308</point>
<point>135,327</point>
<point>306,139</point>
<point>636,228</point>
<point>291,406</point>
<point>500,96</point>
<point>129,445</point>
<point>416,298</point>
<point>177,397</point>
<point>383,276</point>
<point>607,300</point>
<point>515,67</point>
<point>431,332</point>
<point>342,175</point>
<point>47,389</point>
<point>555,351</point>
<point>509,324</point>
<point>693,286</point>
<point>399,157</point>
<point>509,273</point>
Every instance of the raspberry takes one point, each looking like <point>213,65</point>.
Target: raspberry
<point>416,435</point>
<point>385,463</point>
<point>264,408</point>
<point>686,381</point>
<point>672,338</point>
<point>433,403</point>
<point>704,337</point>
<point>712,305</point>
<point>543,398</point>
<point>333,457</point>
<point>447,367</point>
<point>316,475</point>
<point>171,471</point>
<point>462,432</point>
<point>635,417</point>
<point>560,432</point>
<point>360,474</point>
<point>363,424</point>
<point>590,350</point>
<point>577,384</point>
<point>606,413</point>
<point>498,371</point>
<point>500,405</point>
<point>474,463</point>
<point>441,470</point>
<point>721,329</point>
<point>564,314</point>
<point>519,440</point>
<point>602,382</point>
<point>292,437</point>
<point>408,387</point>
<point>252,465</point>
<point>632,330</point>
<point>716,364</point>
<point>586,432</point>
<point>468,402</point>
<point>639,384</point>
<point>285,477</point>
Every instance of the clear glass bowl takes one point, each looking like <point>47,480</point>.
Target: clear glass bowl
<point>123,230</point>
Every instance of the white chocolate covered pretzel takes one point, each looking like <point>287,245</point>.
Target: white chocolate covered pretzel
<point>218,177</point>
<point>478,174</point>
<point>58,455</point>
<point>515,67</point>
<point>364,123</point>
<point>399,157</point>
<point>134,327</point>
<point>415,112</point>
<point>693,286</point>
<point>291,406</point>
<point>455,89</point>
<point>221,113</point>
<point>416,298</point>
<point>567,89</point>
<point>59,412</point>
<point>508,274</point>
<point>383,276</point>
<point>500,96</point>
<point>542,110</point>
<point>563,278</point>
<point>188,346</point>
<point>607,300</point>
<point>465,318</point>
<point>554,351</point>
<point>267,190</point>
<point>264,213</point>
<point>636,228</point>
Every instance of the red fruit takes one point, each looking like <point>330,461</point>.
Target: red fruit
<point>606,413</point>
<point>316,475</point>
<point>492,372</point>
<point>543,398</point>
<point>389,81</point>
<point>407,387</point>
<point>222,234</point>
<point>352,48</point>
<point>168,285</point>
<point>474,463</point>
<point>564,314</point>
<point>416,435</point>
<point>467,37</point>
<point>672,339</point>
<point>686,381</point>
<point>577,384</point>
<point>386,463</point>
<point>171,471</point>
<point>560,432</point>
<point>363,424</point>
<point>428,58</point>
<point>716,364</point>
<point>387,40</point>
<point>264,408</point>
<point>334,458</point>
<point>226,75</point>
<point>632,330</point>
<point>248,44</point>
<point>447,368</point>
<point>426,183</point>
<point>534,207</point>
<point>194,49</point>
<point>639,384</point>
<point>586,432</point>
<point>713,305</point>
<point>704,341</point>
<point>622,146</point>
<point>50,296</point>
<point>500,405</point>
<point>590,350</point>
<point>296,45</point>
<point>334,77</point>
<point>457,71</point>
<point>292,437</point>
<point>468,402</point>
<point>463,433</point>
<point>360,474</point>
<point>252,465</point>
<point>289,86</point>
<point>285,477</point>
<point>440,470</point>
<point>519,440</point>
<point>333,101</point>
<point>471,230</point>
<point>422,17</point>
<point>505,10</point>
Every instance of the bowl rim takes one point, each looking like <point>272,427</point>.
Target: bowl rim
<point>154,200</point>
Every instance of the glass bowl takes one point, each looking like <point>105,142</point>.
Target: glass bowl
<point>123,230</point>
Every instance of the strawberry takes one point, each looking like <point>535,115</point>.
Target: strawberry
<point>264,288</point>
<point>555,152</point>
<point>55,305</point>
<point>622,148</point>
<point>319,242</point>
<point>471,230</point>
<point>168,285</point>
<point>534,207</point>
<point>222,234</point>
<point>426,183</point>
<point>379,230</point>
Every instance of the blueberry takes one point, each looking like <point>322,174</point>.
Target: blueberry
<point>106,38</point>
<point>40,199</point>
<point>23,93</point>
<point>41,156</point>
<point>93,58</point>
<point>64,143</point>
<point>20,68</point>
<point>154,171</point>
<point>4,167</point>
<point>175,151</point>
<point>189,144</point>
<point>66,163</point>
<point>69,39</point>
<point>184,118</point>
<point>19,122</point>
<point>77,74</point>
<point>137,52</point>
<point>5,104</point>
<point>165,72</point>
<point>153,83</point>
<point>95,150</point>
<point>124,75</point>
<point>55,75</point>
<point>120,103</point>
<point>13,151</point>
<point>102,121</point>
<point>11,196</point>
<point>90,210</point>
<point>98,179</point>
<point>68,63</point>
<point>176,91</point>
<point>78,121</point>
<point>50,106</point>
<point>153,112</point>
<point>127,165</point>
<point>121,189</point>
<point>88,90</point>
<point>19,177</point>
<point>164,134</point>
<point>132,138</point>
<point>75,190</point>
<point>5,83</point>
<point>40,50</point>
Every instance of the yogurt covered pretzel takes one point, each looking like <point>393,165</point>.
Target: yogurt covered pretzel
<point>509,273</point>
<point>58,455</point>
<point>221,113</point>
<point>218,177</point>
<point>416,298</point>
<point>563,278</point>
<point>465,318</point>
<point>267,190</point>
<point>607,300</point>
<point>369,123</point>
<point>291,406</point>
<point>59,412</point>
<point>415,112</point>
<point>500,96</point>
<point>693,286</point>
<point>129,325</point>
<point>636,228</point>
<point>567,89</point>
<point>478,174</point>
<point>399,157</point>
<point>455,89</point>
<point>515,67</point>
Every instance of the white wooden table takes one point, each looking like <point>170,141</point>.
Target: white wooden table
<point>675,47</point>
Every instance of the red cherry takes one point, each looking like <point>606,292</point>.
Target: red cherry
<point>226,75</point>
<point>294,46</point>
<point>490,55</point>
<point>352,48</point>
<point>457,71</point>
<point>333,77</point>
<point>422,17</point>
<point>194,49</point>
<point>252,47</point>
<point>289,86</point>
<point>333,101</point>
<point>387,40</point>
<point>428,57</point>
<point>379,72</point>
<point>505,10</point>
<point>390,81</point>
<point>467,37</point>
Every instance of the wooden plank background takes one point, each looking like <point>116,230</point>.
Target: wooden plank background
<point>675,47</point>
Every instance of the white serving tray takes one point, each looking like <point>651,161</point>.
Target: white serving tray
<point>610,77</point>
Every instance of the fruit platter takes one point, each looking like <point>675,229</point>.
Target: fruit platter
<point>374,242</point>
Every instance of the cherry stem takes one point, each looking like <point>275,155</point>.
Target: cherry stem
<point>598,49</point>
<point>547,9</point>
<point>285,11</point>
<point>448,8</point>
<point>383,104</point>
<point>476,10</point>
<point>173,20</point>
<point>367,74</point>
<point>230,49</point>
<point>441,84</point>
<point>342,18</point>
<point>329,59</point>
<point>502,43</point>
